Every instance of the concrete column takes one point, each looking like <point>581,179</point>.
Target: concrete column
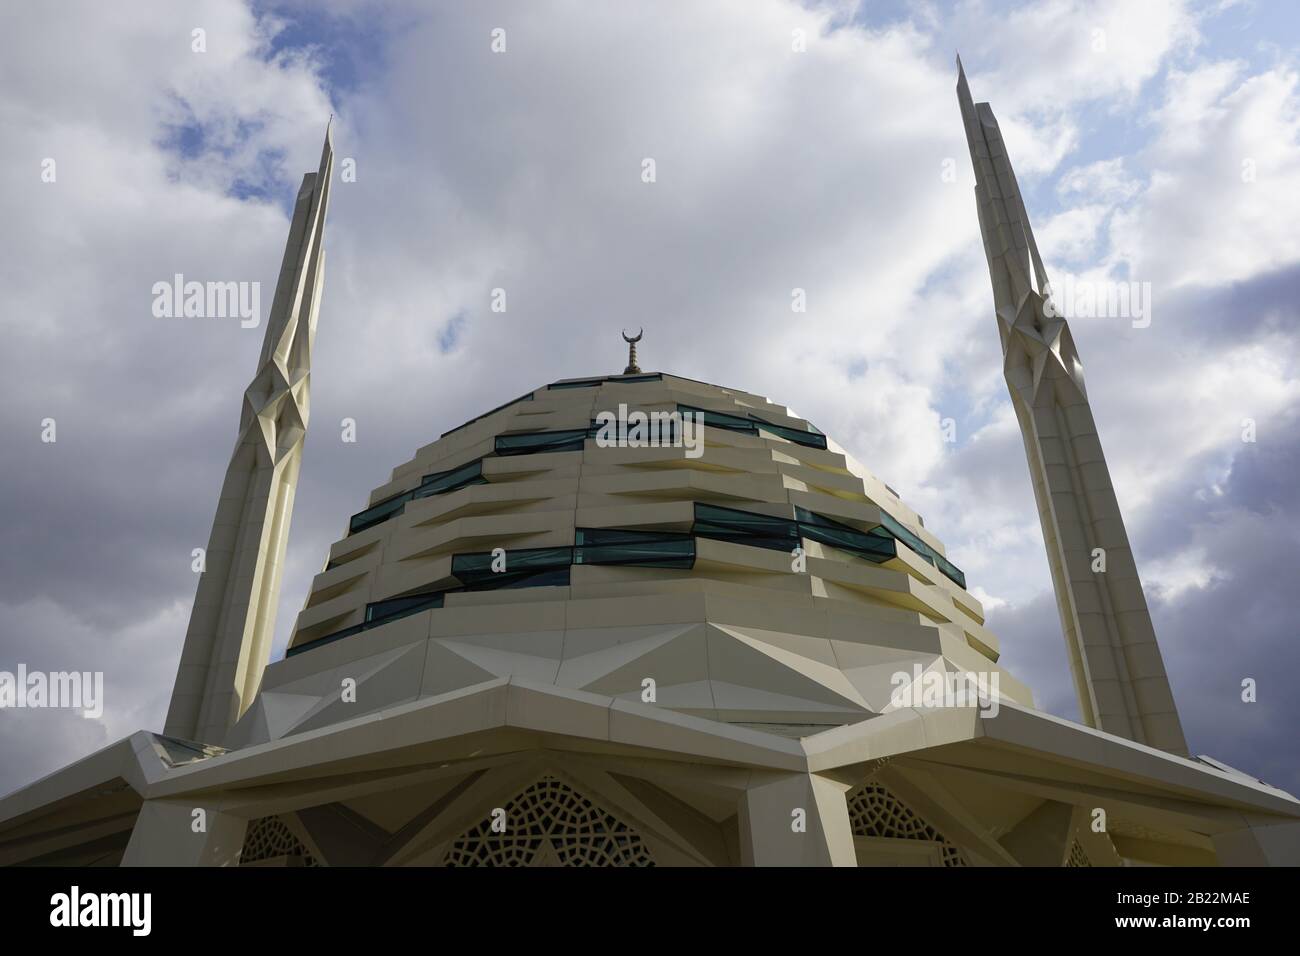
<point>1043,838</point>
<point>796,820</point>
<point>165,835</point>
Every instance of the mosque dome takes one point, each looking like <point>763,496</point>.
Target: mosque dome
<point>645,537</point>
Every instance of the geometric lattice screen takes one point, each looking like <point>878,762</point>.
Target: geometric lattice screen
<point>268,837</point>
<point>551,824</point>
<point>875,812</point>
<point>1077,856</point>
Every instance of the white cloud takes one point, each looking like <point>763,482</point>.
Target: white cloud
<point>1105,181</point>
<point>1174,574</point>
<point>1071,236</point>
<point>990,602</point>
<point>1225,179</point>
<point>1053,54</point>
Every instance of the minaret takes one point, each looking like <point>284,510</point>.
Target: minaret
<point>1119,674</point>
<point>231,626</point>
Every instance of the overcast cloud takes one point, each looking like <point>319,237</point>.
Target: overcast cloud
<point>1167,151</point>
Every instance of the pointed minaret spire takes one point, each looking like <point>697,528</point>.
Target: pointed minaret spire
<point>232,623</point>
<point>631,352</point>
<point>1119,674</point>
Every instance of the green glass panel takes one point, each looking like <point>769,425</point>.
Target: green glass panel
<point>744,527</point>
<point>796,435</point>
<point>327,639</point>
<point>445,481</point>
<point>525,567</point>
<point>379,513</point>
<point>582,383</point>
<point>381,612</point>
<point>655,432</point>
<point>946,567</point>
<point>377,613</point>
<point>435,484</point>
<point>817,527</point>
<point>532,443</point>
<point>951,570</point>
<point>720,419</point>
<point>634,548</point>
<point>629,379</point>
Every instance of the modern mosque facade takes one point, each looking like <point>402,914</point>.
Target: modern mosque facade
<point>636,619</point>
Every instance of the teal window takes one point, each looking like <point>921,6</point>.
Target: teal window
<point>618,379</point>
<point>645,549</point>
<point>782,534</point>
<point>327,639</point>
<point>950,570</point>
<point>377,514</point>
<point>812,439</point>
<point>660,429</point>
<point>438,483</point>
<point>577,383</point>
<point>445,481</point>
<point>817,527</point>
<point>753,424</point>
<point>532,443</point>
<point>732,423</point>
<point>744,527</point>
<point>523,568</point>
<point>632,379</point>
<point>377,613</point>
<point>381,612</point>
<point>891,526</point>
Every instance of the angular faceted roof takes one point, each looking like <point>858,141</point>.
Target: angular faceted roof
<point>744,568</point>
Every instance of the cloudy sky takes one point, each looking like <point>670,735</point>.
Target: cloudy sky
<point>1156,142</point>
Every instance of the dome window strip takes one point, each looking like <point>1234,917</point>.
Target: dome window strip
<point>439,483</point>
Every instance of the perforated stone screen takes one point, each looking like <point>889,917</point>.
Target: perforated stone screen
<point>551,824</point>
<point>269,837</point>
<point>875,812</point>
